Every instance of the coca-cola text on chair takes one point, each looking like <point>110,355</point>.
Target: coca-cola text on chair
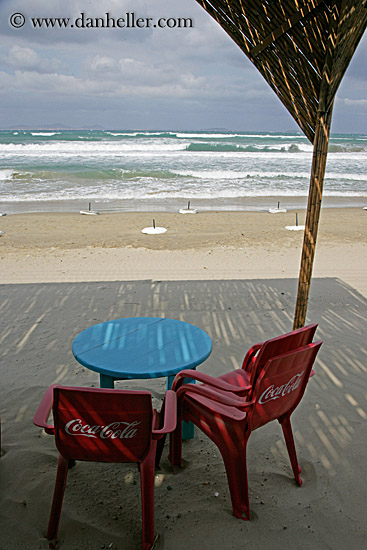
<point>227,409</point>
<point>103,425</point>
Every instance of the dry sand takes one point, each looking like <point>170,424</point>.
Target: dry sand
<point>235,276</point>
<point>217,245</point>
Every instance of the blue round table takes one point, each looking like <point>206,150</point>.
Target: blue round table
<point>141,347</point>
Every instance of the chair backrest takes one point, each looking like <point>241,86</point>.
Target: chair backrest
<point>281,384</point>
<point>102,425</point>
<point>279,345</point>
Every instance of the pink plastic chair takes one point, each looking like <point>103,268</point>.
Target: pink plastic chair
<point>227,409</point>
<point>102,425</point>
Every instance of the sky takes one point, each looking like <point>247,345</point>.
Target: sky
<point>168,77</point>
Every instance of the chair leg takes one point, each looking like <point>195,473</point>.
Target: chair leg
<point>160,447</point>
<point>147,497</point>
<point>236,469</point>
<point>158,423</point>
<point>289,440</point>
<point>53,524</point>
<point>175,444</point>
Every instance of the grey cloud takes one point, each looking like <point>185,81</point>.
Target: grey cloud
<point>144,77</point>
<point>25,58</point>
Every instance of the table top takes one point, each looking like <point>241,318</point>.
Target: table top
<point>141,347</point>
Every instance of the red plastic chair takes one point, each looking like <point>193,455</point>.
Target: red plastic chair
<point>103,425</point>
<point>227,409</point>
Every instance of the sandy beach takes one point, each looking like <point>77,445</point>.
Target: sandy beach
<point>65,247</point>
<point>233,274</point>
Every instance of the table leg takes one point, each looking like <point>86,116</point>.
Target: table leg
<point>188,428</point>
<point>106,381</point>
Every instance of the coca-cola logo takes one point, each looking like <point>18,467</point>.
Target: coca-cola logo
<point>273,392</point>
<point>114,430</point>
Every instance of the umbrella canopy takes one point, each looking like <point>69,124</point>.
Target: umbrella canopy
<point>302,48</point>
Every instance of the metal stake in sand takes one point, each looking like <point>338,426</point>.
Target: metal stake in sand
<point>188,210</point>
<point>89,212</point>
<point>295,227</point>
<point>277,210</point>
<point>153,230</point>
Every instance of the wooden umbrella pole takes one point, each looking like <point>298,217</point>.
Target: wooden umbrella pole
<point>320,149</point>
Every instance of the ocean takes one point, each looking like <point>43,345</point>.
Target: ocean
<point>64,170</point>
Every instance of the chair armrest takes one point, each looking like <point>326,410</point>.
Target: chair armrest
<point>170,415</point>
<point>229,400</point>
<point>43,411</point>
<point>250,355</point>
<point>207,379</point>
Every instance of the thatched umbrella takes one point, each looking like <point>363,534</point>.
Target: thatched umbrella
<point>302,48</point>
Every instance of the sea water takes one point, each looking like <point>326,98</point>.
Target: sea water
<point>64,170</point>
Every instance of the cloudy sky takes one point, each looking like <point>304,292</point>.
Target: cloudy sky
<point>143,78</point>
